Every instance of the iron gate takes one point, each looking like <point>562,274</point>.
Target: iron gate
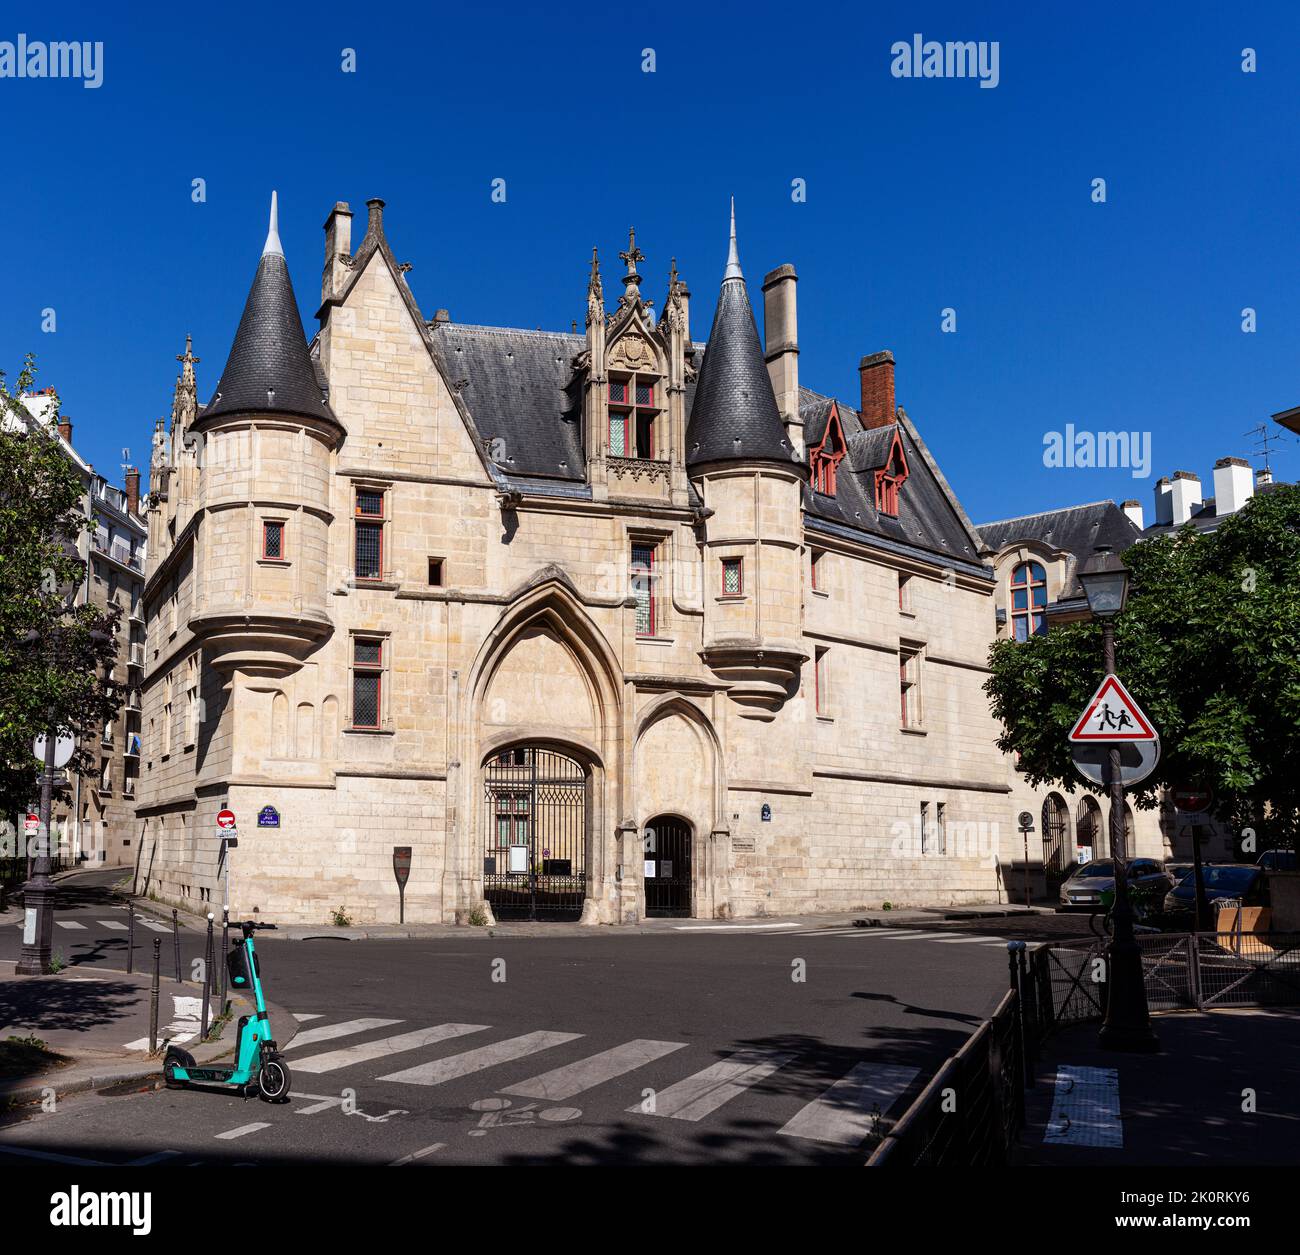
<point>667,843</point>
<point>535,844</point>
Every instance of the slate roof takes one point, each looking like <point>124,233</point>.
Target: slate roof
<point>927,518</point>
<point>1205,518</point>
<point>1076,529</point>
<point>733,416</point>
<point>521,388</point>
<point>270,352</point>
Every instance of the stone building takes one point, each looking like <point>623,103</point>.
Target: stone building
<point>96,822</point>
<point>594,625</point>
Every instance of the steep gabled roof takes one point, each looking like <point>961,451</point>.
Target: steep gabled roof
<point>1077,530</point>
<point>734,416</point>
<point>270,370</point>
<point>929,516</point>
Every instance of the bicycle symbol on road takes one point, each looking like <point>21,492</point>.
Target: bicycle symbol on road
<point>499,1112</point>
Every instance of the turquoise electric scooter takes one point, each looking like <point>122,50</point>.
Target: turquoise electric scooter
<point>258,1067</point>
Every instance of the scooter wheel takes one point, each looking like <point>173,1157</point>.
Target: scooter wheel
<point>274,1080</point>
<point>169,1075</point>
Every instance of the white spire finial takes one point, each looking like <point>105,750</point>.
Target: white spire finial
<point>272,246</point>
<point>733,270</point>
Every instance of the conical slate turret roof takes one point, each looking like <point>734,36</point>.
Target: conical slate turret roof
<point>734,415</point>
<point>270,370</point>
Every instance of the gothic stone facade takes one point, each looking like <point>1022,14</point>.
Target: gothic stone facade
<point>512,599</point>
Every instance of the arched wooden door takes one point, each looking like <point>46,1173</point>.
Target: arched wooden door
<point>666,848</point>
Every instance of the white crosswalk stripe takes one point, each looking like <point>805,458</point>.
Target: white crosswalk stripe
<point>448,1069</point>
<point>70,923</point>
<point>909,936</point>
<point>574,1078</point>
<point>963,940</point>
<point>334,1059</point>
<point>154,924</point>
<point>303,1017</point>
<point>844,1115</point>
<point>112,925</point>
<point>327,1032</point>
<point>702,1094</point>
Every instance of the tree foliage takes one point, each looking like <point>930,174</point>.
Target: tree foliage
<point>1208,644</point>
<point>55,659</point>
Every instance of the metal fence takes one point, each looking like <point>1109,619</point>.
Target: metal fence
<point>971,1112</point>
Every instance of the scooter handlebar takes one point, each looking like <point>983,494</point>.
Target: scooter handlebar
<point>249,926</point>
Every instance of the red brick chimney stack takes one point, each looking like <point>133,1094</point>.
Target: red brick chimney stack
<point>65,428</point>
<point>133,490</point>
<point>877,372</point>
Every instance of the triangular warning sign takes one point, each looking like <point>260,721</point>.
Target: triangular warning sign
<point>1112,715</point>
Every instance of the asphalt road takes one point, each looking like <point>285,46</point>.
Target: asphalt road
<point>683,1047</point>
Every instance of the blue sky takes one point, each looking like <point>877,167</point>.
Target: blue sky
<point>921,194</point>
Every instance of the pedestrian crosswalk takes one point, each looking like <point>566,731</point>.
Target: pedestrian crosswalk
<point>836,1105</point>
<point>944,938</point>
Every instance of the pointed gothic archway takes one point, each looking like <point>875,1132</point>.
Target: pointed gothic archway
<point>667,848</point>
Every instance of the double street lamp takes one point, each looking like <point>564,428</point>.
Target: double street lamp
<point>1127,1025</point>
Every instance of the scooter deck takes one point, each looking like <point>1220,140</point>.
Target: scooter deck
<point>210,1076</point>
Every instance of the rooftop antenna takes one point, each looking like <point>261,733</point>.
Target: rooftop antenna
<point>1265,439</point>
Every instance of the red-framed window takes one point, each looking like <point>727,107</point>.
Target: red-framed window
<point>815,557</point>
<point>733,577</point>
<point>273,540</point>
<point>824,460</point>
<point>367,681</point>
<point>821,686</point>
<point>1028,601</point>
<point>890,478</point>
<point>633,409</point>
<point>642,579</point>
<point>909,687</point>
<point>904,593</point>
<point>368,548</point>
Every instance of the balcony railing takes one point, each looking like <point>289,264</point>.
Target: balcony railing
<point>135,656</point>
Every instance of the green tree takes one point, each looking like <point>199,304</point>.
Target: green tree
<point>55,659</point>
<point>1209,645</point>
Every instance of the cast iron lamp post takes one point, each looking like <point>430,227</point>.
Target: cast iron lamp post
<point>1127,1025</point>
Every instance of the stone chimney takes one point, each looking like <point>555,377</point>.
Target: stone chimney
<point>133,491</point>
<point>1185,496</point>
<point>877,374</point>
<point>338,247</point>
<point>65,428</point>
<point>781,347</point>
<point>1164,512</point>
<point>1133,510</point>
<point>684,295</point>
<point>1234,485</point>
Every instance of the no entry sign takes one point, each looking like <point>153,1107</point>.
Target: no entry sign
<point>226,821</point>
<point>1192,800</point>
<point>32,824</point>
<point>1112,715</point>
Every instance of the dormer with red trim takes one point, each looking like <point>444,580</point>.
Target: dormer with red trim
<point>824,460</point>
<point>891,477</point>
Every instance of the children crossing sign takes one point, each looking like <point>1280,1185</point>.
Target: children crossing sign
<point>1112,715</point>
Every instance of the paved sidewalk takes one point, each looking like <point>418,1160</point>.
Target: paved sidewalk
<point>99,1022</point>
<point>1186,1105</point>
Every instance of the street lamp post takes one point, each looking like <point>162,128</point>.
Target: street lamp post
<point>1127,1025</point>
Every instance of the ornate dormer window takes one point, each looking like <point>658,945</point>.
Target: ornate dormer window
<point>890,478</point>
<point>633,410</point>
<point>824,460</point>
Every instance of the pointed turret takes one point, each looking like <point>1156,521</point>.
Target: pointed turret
<point>734,416</point>
<point>270,370</point>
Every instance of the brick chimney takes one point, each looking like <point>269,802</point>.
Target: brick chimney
<point>781,347</point>
<point>65,428</point>
<point>133,490</point>
<point>877,373</point>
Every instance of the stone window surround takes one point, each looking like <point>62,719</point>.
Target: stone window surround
<point>914,652</point>
<point>385,726</point>
<point>660,542</point>
<point>262,558</point>
<point>385,490</point>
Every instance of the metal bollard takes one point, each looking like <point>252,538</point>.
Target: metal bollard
<point>207,981</point>
<point>130,936</point>
<point>176,936</point>
<point>153,995</point>
<point>225,949</point>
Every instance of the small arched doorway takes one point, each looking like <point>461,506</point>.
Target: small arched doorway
<point>535,833</point>
<point>1089,833</point>
<point>666,849</point>
<point>1056,832</point>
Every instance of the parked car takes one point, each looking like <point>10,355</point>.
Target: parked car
<point>1085,885</point>
<point>1244,882</point>
<point>1277,861</point>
